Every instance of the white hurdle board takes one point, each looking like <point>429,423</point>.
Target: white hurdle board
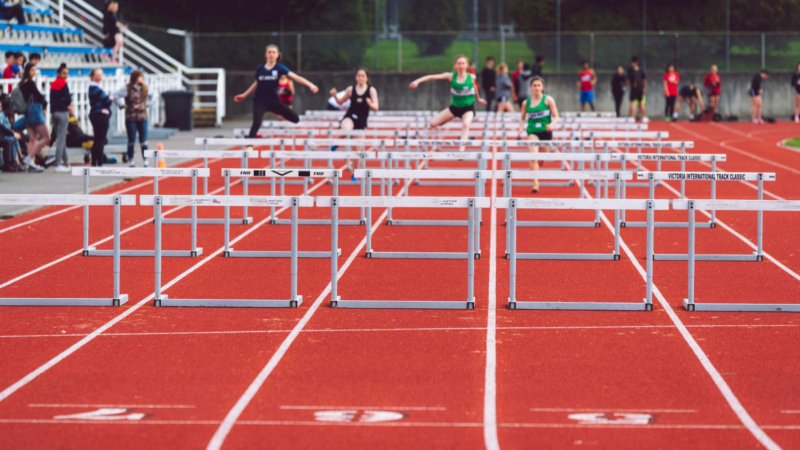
<point>226,202</point>
<point>130,172</point>
<point>512,205</point>
<point>691,206</point>
<point>471,204</point>
<point>115,201</point>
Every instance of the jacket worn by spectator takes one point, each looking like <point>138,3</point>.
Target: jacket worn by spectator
<point>60,97</point>
<point>31,93</point>
<point>99,101</point>
<point>132,99</point>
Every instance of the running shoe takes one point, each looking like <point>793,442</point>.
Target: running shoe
<point>62,169</point>
<point>796,119</point>
<point>32,166</point>
<point>146,163</point>
<point>49,161</point>
<point>535,189</point>
<point>645,119</point>
<point>353,178</point>
<point>131,163</point>
<point>334,147</point>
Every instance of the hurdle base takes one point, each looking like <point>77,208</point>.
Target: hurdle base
<point>123,299</point>
<point>285,182</point>
<point>235,221</point>
<point>231,253</point>
<point>427,223</point>
<point>742,307</point>
<point>666,225</point>
<point>567,256</point>
<point>402,304</point>
<point>445,183</point>
<point>709,257</point>
<point>315,222</point>
<point>557,224</point>
<point>226,303</point>
<point>581,306</point>
<point>528,184</point>
<point>91,251</point>
<point>418,255</point>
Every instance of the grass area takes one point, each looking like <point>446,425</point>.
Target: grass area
<point>793,142</point>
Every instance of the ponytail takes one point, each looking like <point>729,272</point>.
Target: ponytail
<point>280,55</point>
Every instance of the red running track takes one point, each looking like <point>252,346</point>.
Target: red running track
<point>144,377</point>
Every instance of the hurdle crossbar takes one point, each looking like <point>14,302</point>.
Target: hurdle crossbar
<point>117,201</point>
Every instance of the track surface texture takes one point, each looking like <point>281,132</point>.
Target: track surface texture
<point>316,377</point>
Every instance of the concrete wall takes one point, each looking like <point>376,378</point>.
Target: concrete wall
<point>395,95</point>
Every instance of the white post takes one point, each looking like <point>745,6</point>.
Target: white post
<point>61,12</point>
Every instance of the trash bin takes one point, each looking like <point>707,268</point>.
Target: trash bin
<point>178,109</point>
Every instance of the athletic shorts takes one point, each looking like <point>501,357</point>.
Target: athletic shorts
<point>359,123</point>
<point>637,95</point>
<point>544,135</point>
<point>753,93</point>
<point>797,90</point>
<point>587,97</point>
<point>457,111</point>
<point>502,99</point>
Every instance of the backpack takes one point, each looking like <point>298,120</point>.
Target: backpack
<point>18,103</point>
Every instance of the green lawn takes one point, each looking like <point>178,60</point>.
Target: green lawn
<point>793,142</point>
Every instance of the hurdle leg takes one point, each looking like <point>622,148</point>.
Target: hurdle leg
<point>616,217</point>
<point>227,220</point>
<point>245,185</point>
<point>205,166</point>
<point>683,182</point>
<point>624,195</point>
<point>507,183</point>
<point>389,189</point>
<point>648,301</point>
<point>714,192</point>
<point>158,297</point>
<point>688,303</point>
<point>760,241</point>
<point>471,220</point>
<point>294,300</point>
<point>194,214</point>
<point>597,195</point>
<point>478,217</point>
<point>363,192</point>
<point>272,192</point>
<point>86,214</point>
<point>117,300</point>
<point>334,252</point>
<point>511,212</point>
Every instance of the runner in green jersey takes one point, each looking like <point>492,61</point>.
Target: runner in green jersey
<point>537,119</point>
<point>464,94</point>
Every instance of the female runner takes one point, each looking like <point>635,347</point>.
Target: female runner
<point>363,99</point>
<point>541,113</point>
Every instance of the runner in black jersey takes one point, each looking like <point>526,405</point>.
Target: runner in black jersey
<point>363,98</point>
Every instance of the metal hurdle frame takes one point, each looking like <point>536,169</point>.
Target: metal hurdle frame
<point>761,177</point>
<point>226,202</point>
<point>569,146</point>
<point>657,135</point>
<point>407,175</point>
<point>154,172</point>
<point>691,206</point>
<point>471,204</point>
<point>652,182</point>
<point>513,204</point>
<point>430,155</point>
<point>117,201</point>
<point>244,155</point>
<point>273,173</point>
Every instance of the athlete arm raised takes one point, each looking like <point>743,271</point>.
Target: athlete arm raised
<point>372,100</point>
<point>247,93</point>
<point>436,77</point>
<point>521,129</point>
<point>550,103</point>
<point>311,86</point>
<point>347,93</point>
<point>477,91</point>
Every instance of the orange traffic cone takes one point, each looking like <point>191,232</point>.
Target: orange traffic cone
<point>162,163</point>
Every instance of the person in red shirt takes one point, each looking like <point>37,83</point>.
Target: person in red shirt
<point>514,84</point>
<point>713,85</point>
<point>671,80</point>
<point>586,82</point>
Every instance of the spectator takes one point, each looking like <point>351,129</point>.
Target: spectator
<point>638,83</point>
<point>112,28</point>
<point>471,69</point>
<point>20,60</point>
<point>693,97</point>
<point>14,11</point>
<point>12,69</point>
<point>135,99</point>
<point>488,82</point>
<point>586,81</point>
<point>503,90</point>
<point>38,134</point>
<point>671,80</point>
<point>286,92</point>
<point>796,86</point>
<point>9,141</point>
<point>514,82</point>
<point>713,86</point>
<point>524,81</point>
<point>755,95</point>
<point>99,113</point>
<point>35,58</point>
<point>618,87</point>
<point>60,108</point>
<point>536,71</point>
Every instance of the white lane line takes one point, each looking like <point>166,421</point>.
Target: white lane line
<point>413,330</point>
<point>373,408</point>
<point>712,371</point>
<point>790,411</point>
<point>490,377</point>
<point>77,405</point>
<point>233,415</point>
<point>78,345</point>
<point>120,192</point>
<point>613,410</point>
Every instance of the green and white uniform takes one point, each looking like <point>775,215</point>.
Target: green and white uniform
<point>538,116</point>
<point>463,94</point>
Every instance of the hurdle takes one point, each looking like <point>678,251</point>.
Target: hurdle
<point>117,201</point>
<point>87,172</point>
<point>394,159</point>
<point>757,256</point>
<point>471,204</point>
<point>579,147</point>
<point>204,154</point>
<point>691,206</point>
<point>271,173</point>
<point>227,201</point>
<point>608,147</point>
<point>514,204</point>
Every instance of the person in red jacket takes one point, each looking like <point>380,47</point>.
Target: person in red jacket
<point>713,85</point>
<point>671,80</point>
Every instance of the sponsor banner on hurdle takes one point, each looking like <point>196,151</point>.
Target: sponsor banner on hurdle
<point>294,141</point>
<point>707,176</point>
<point>278,173</point>
<point>223,154</point>
<point>557,143</point>
<point>311,154</point>
<point>408,202</point>
<point>220,200</point>
<point>139,172</point>
<point>676,157</point>
<point>115,201</point>
<point>646,144</point>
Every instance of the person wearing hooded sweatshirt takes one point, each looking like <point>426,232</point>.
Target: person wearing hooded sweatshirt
<point>60,106</point>
<point>99,114</point>
<point>135,99</point>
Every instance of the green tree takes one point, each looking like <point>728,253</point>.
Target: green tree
<point>439,16</point>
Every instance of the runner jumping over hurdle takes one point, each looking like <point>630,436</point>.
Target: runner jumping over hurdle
<point>542,115</point>
<point>464,90</point>
<point>363,98</point>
